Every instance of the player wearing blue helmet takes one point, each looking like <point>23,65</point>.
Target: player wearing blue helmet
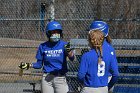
<point>100,25</point>
<point>54,25</point>
<point>51,56</point>
<point>103,26</point>
<point>96,64</point>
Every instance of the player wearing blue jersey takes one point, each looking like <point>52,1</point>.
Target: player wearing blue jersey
<point>51,56</point>
<point>103,26</point>
<point>96,64</point>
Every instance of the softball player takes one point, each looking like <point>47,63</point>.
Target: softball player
<point>103,26</point>
<point>96,64</point>
<point>51,55</point>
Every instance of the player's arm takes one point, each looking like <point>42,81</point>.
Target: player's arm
<point>36,65</point>
<point>39,57</point>
<point>69,51</point>
<point>26,65</point>
<point>82,68</point>
<point>114,71</point>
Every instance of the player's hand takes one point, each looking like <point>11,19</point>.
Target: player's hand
<point>24,65</point>
<point>69,50</point>
<point>67,47</point>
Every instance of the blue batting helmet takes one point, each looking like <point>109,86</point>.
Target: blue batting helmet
<point>53,25</point>
<point>100,25</point>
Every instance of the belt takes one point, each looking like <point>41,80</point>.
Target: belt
<point>57,73</point>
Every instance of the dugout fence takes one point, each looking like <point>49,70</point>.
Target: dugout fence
<point>22,29</point>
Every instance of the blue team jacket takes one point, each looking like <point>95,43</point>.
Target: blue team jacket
<point>52,57</point>
<point>94,75</point>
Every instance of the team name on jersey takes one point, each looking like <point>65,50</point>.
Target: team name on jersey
<point>53,53</point>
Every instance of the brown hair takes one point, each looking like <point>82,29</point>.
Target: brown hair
<point>96,38</point>
<point>108,39</point>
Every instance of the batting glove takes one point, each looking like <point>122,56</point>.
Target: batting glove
<point>24,65</point>
<point>67,47</point>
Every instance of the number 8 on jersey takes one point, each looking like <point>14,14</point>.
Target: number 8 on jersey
<point>101,69</point>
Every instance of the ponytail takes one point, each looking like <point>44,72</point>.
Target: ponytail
<point>96,39</point>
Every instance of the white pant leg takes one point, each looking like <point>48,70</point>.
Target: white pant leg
<point>46,87</point>
<point>60,85</point>
<point>95,90</point>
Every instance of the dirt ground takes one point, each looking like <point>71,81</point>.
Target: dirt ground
<point>12,53</point>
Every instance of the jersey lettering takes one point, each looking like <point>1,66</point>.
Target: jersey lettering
<point>54,53</point>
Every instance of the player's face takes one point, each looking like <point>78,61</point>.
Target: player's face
<point>55,36</point>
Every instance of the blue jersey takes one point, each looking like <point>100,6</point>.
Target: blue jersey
<point>52,57</point>
<point>93,74</point>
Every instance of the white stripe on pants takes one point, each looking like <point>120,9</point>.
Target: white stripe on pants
<point>54,84</point>
<point>95,90</point>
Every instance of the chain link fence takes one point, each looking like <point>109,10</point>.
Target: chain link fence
<point>22,29</point>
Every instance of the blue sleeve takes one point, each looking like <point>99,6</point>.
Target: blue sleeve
<point>39,57</point>
<point>115,58</point>
<point>114,71</point>
<point>38,64</point>
<point>83,68</point>
<point>114,65</point>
